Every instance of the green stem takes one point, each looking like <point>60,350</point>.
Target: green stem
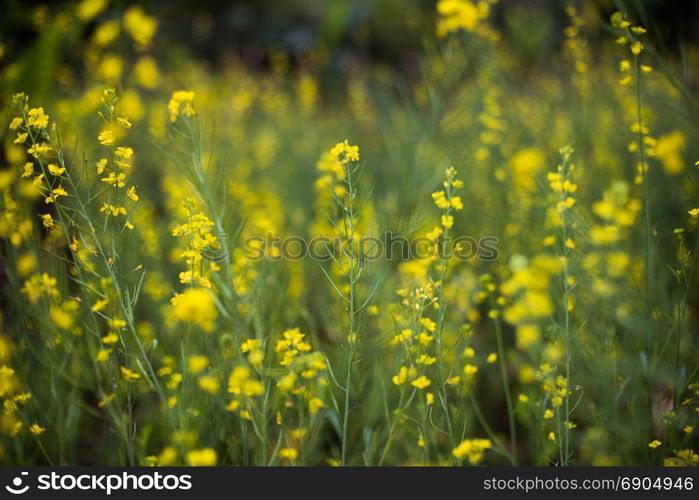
<point>348,215</point>
<point>502,361</point>
<point>440,329</point>
<point>565,435</point>
<point>646,205</point>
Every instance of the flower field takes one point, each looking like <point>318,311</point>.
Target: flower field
<point>482,255</point>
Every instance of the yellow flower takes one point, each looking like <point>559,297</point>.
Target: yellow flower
<point>525,164</point>
<point>654,444</point>
<point>343,152</point>
<point>16,123</point>
<point>233,405</point>
<point>101,165</point>
<point>561,206</point>
<point>27,169</point>
<point>125,153</point>
<point>249,345</point>
<point>440,200</point>
<point>129,375</point>
<point>146,72</point>
<point>636,47</point>
<point>139,25</point>
<point>88,9</point>
<point>315,404</point>
<point>124,122</point>
<point>181,104</point>
<point>289,453</point>
<point>429,325</point>
<point>26,264</point>
<point>421,382</point>
<point>115,179</point>
<point>106,137</point>
<point>37,430</point>
<point>669,149</point>
<point>174,381</point>
<point>236,379</point>
<point>47,221</point>
<point>458,15</point>
<point>252,388</point>
<point>694,212</point>
<point>287,382</point>
<point>472,449</point>
<point>197,364</point>
<point>527,336</point>
<point>470,369</point>
<point>37,119</point>
<point>401,377</point>
<point>435,233</point>
<point>203,457</point>
<point>112,210</point>
<point>256,357</point>
<point>604,235</point>
<point>61,317</point>
<point>195,305</point>
<point>39,149</point>
<point>112,338</point>
<point>131,193</point>
<point>424,359</point>
<point>55,170</point>
<point>209,384</point>
<point>103,355</point>
<point>55,193</point>
<point>448,221</point>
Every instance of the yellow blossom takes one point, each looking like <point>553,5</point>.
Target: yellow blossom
<point>36,429</point>
<point>106,137</point>
<point>202,457</point>
<point>421,382</point>
<point>129,375</point>
<point>181,104</point>
<point>196,306</point>
<point>472,449</point>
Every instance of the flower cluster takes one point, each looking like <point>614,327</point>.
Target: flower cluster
<point>181,104</point>
<point>197,232</point>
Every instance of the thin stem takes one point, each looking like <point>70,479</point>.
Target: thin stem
<point>565,435</point>
<point>348,216</point>
<point>440,330</point>
<point>646,203</point>
<point>505,384</point>
<point>647,229</point>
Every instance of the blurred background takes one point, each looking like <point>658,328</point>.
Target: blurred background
<point>332,37</point>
